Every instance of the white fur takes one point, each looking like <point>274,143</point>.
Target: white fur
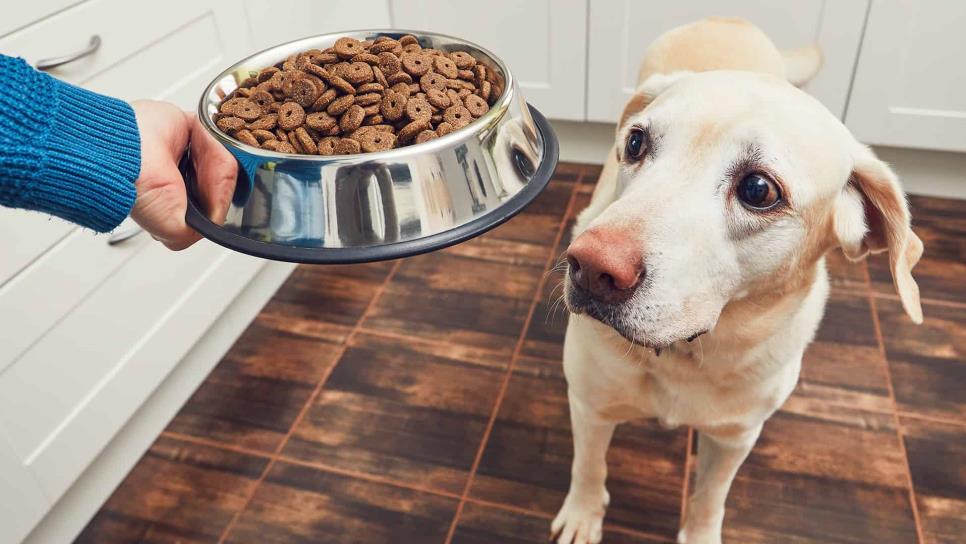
<point>757,283</point>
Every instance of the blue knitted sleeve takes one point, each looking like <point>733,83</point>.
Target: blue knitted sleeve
<point>64,150</point>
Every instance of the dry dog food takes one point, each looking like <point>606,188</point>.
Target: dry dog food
<point>359,97</point>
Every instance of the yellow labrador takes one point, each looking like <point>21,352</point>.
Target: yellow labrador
<point>696,277</point>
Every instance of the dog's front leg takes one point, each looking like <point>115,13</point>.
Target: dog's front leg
<point>719,456</point>
<point>581,518</point>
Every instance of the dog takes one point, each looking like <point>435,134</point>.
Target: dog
<point>696,276</point>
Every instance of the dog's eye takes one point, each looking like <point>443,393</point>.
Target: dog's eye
<point>758,192</point>
<point>636,144</point>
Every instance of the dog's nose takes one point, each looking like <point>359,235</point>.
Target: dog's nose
<point>606,263</point>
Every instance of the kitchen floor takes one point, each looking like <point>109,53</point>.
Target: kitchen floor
<point>423,401</point>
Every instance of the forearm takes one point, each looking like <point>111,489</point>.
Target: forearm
<point>65,150</point>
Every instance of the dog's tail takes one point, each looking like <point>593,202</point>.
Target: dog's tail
<point>802,64</point>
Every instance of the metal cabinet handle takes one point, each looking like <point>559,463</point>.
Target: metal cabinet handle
<point>121,235</point>
<point>53,62</point>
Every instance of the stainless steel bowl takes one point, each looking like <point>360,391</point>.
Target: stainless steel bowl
<point>376,206</point>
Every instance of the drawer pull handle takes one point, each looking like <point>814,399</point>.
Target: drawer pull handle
<point>53,62</point>
<point>122,235</point>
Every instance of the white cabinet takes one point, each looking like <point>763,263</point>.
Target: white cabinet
<point>89,330</point>
<point>910,82</point>
<point>621,31</point>
<point>279,21</point>
<point>542,41</point>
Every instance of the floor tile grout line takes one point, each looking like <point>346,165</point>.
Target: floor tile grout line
<point>924,301</point>
<point>517,350</point>
<point>308,403</point>
<point>608,526</point>
<point>932,419</point>
<point>687,478</point>
<point>322,467</point>
<point>877,325</point>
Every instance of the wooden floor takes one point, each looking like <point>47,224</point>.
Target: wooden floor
<point>422,401</point>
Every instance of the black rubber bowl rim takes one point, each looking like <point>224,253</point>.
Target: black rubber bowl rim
<point>349,255</point>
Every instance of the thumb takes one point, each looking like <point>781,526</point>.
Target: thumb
<point>216,171</point>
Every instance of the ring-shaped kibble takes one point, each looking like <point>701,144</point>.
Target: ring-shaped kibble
<point>340,105</point>
<point>346,48</point>
<point>479,74</point>
<point>284,147</point>
<point>230,124</point>
<point>368,58</point>
<point>374,140</point>
<point>389,64</point>
<point>408,132</point>
<point>463,60</point>
<point>379,77</point>
<point>266,73</point>
<point>352,118</point>
<point>438,98</point>
<point>324,100</point>
<point>393,105</point>
<point>401,88</point>
<point>308,144</point>
<point>370,88</point>
<point>320,121</point>
<point>416,64</point>
<point>263,135</point>
<point>368,99</point>
<point>290,116</point>
<point>304,92</point>
<point>445,66</point>
<point>417,108</point>
<point>247,110</point>
<point>426,136</point>
<point>412,48</point>
<point>264,99</point>
<point>327,145</point>
<point>444,128</point>
<point>265,122</point>
<point>432,80</point>
<point>292,139</point>
<point>388,45</point>
<point>347,146</point>
<point>373,120</point>
<point>485,91</point>
<point>458,116</point>
<point>359,73</point>
<point>400,77</point>
<point>408,39</point>
<point>372,109</point>
<point>476,105</point>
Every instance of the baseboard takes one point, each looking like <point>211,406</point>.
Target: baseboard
<point>929,173</point>
<point>72,512</point>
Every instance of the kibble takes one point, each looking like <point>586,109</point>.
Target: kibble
<point>358,97</point>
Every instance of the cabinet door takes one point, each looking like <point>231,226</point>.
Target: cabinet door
<point>542,42</point>
<point>621,31</point>
<point>21,501</point>
<point>309,17</point>
<point>910,82</point>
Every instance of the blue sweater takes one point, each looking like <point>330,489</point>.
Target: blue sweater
<point>64,150</point>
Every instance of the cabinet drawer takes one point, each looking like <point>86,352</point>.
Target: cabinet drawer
<point>56,282</point>
<point>66,396</point>
<point>165,50</point>
<point>20,14</point>
<point>28,235</point>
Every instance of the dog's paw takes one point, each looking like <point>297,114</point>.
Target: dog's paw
<point>580,520</point>
<point>699,535</point>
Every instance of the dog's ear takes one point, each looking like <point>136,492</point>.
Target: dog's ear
<point>648,90</point>
<point>871,216</point>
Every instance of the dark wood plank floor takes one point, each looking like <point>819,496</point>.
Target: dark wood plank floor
<point>423,401</point>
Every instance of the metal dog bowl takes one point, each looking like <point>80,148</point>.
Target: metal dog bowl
<point>376,206</point>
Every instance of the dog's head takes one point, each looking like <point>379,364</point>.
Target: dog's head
<point>729,185</point>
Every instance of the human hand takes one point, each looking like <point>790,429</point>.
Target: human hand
<point>161,196</point>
